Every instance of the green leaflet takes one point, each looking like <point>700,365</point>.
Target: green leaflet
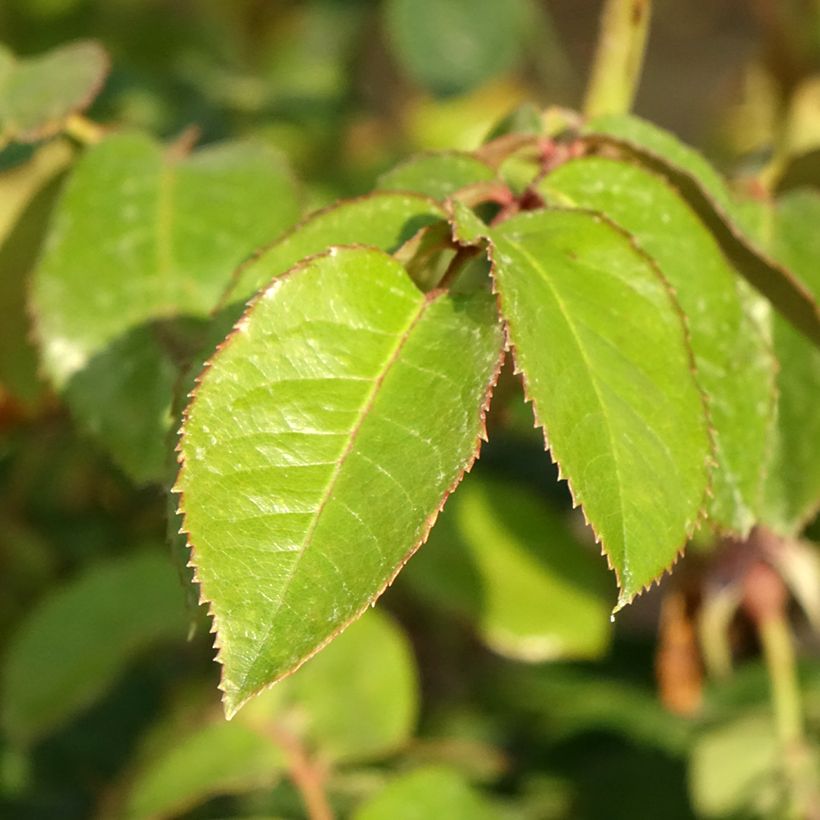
<point>320,446</point>
<point>649,136</point>
<point>779,285</point>
<point>38,94</point>
<point>734,362</point>
<point>501,556</point>
<point>432,791</point>
<point>141,247</point>
<point>793,487</point>
<point>437,175</point>
<point>382,220</point>
<point>603,350</point>
<point>78,641</point>
<point>214,759</point>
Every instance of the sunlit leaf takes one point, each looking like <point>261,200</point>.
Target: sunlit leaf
<point>311,468</point>
<point>734,363</point>
<point>437,175</point>
<point>603,349</point>
<point>142,245</point>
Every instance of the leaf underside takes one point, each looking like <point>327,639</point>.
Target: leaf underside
<point>603,350</point>
<point>320,446</point>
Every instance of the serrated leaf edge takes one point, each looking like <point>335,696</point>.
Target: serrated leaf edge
<point>710,462</point>
<point>232,708</point>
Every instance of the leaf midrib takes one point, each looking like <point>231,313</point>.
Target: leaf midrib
<point>624,572</point>
<point>364,412</point>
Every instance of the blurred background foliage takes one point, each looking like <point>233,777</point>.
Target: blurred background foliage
<point>489,682</point>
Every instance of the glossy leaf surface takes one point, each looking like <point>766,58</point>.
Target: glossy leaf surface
<point>319,448</point>
<point>603,350</point>
<point>77,642</point>
<point>734,363</point>
<point>504,559</point>
<point>142,243</point>
<point>39,93</point>
<point>382,220</point>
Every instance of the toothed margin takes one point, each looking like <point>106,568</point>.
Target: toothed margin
<point>227,297</point>
<point>710,461</point>
<point>177,488</point>
<point>763,334</point>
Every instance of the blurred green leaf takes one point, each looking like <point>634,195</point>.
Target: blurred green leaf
<point>373,665</point>
<point>216,758</point>
<point>437,175</point>
<point>38,94</point>
<point>381,220</point>
<point>79,640</point>
<point>27,194</point>
<point>734,363</point>
<point>501,556</point>
<point>308,413</point>
<point>451,46</point>
<point>434,791</point>
<point>142,245</point>
<point>601,343</point>
<point>793,484</point>
<point>734,769</point>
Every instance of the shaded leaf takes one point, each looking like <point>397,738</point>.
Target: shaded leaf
<point>214,759</point>
<point>27,194</point>
<point>381,220</point>
<point>733,769</point>
<point>77,642</point>
<point>501,556</point>
<point>793,485</point>
<point>38,94</point>
<point>603,349</point>
<point>734,362</point>
<point>779,285</point>
<point>309,412</point>
<point>450,46</point>
<point>437,175</point>
<point>433,791</point>
<point>142,243</point>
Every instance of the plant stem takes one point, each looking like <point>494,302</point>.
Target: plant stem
<point>304,773</point>
<point>83,130</point>
<point>778,652</point>
<point>618,59</point>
